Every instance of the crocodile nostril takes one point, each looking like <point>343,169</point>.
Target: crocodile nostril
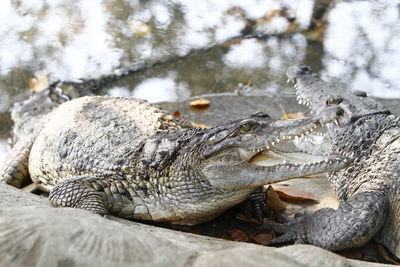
<point>305,69</point>
<point>340,112</point>
<point>260,114</point>
<point>360,93</point>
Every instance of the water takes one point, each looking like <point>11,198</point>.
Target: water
<point>55,40</point>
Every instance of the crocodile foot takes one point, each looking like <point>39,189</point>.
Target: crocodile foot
<point>253,206</point>
<point>292,232</point>
<point>79,192</point>
<point>353,224</point>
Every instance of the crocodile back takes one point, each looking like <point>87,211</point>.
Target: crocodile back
<point>96,136</point>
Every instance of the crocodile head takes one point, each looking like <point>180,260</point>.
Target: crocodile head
<point>318,94</point>
<point>259,150</point>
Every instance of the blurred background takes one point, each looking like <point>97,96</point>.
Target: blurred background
<point>171,50</point>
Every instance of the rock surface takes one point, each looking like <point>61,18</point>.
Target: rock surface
<point>34,234</point>
<point>230,106</point>
<point>12,197</point>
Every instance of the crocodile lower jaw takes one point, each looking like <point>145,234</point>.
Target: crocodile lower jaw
<point>275,158</point>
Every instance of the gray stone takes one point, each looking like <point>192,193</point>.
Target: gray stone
<point>34,234</point>
<point>225,107</point>
<point>13,197</point>
<point>289,256</point>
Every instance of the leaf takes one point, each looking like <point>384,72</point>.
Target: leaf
<point>236,235</point>
<point>387,255</point>
<point>273,200</point>
<point>263,238</point>
<point>177,114</point>
<point>139,28</point>
<point>239,235</point>
<point>200,103</point>
<point>354,254</point>
<point>39,82</point>
<point>288,116</point>
<point>290,193</point>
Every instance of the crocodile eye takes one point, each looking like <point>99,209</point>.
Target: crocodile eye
<point>329,102</point>
<point>332,101</point>
<point>245,128</point>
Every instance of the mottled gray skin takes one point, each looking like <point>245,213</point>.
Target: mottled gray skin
<point>125,157</point>
<point>369,188</point>
<point>29,117</point>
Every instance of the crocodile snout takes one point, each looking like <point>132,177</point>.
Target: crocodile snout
<point>296,71</point>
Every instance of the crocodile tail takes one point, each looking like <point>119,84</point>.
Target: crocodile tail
<point>14,171</point>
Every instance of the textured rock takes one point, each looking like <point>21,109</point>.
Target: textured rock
<point>229,107</point>
<point>34,234</point>
<point>51,237</point>
<point>13,197</point>
<point>290,256</point>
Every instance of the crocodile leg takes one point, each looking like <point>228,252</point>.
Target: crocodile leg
<point>15,169</point>
<point>253,206</point>
<point>84,192</point>
<point>353,224</point>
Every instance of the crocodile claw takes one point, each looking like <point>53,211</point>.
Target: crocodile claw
<point>292,232</point>
<point>253,207</point>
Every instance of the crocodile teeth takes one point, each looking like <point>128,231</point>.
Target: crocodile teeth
<point>290,80</point>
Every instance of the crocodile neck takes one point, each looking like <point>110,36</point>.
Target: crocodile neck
<point>358,140</point>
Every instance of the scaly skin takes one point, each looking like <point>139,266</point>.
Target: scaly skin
<point>29,118</point>
<point>369,188</point>
<point>125,157</point>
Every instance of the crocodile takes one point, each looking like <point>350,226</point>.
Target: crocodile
<point>125,157</point>
<point>368,189</point>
